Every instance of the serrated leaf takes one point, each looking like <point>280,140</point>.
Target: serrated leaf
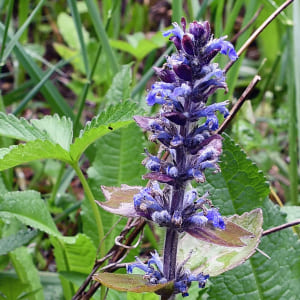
<point>20,129</point>
<point>241,187</point>
<point>119,201</point>
<point>215,259</point>
<point>59,130</point>
<point>130,283</point>
<point>120,87</point>
<point>29,208</point>
<point>115,117</point>
<point>33,150</point>
<point>14,241</point>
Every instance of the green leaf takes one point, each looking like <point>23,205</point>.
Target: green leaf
<point>59,130</point>
<point>120,87</point>
<point>240,187</point>
<point>77,255</point>
<point>29,208</point>
<point>135,296</point>
<point>11,287</point>
<point>130,283</point>
<point>112,119</point>
<point>53,128</point>
<point>17,240</point>
<point>80,254</point>
<point>20,129</point>
<point>293,212</point>
<point>117,161</point>
<point>68,30</point>
<point>24,153</point>
<point>214,259</point>
<point>27,272</point>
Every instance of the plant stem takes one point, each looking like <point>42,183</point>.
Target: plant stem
<point>93,204</point>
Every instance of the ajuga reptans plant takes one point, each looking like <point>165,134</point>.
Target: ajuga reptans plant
<point>185,128</point>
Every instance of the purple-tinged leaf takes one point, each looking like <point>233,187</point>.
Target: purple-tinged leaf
<point>144,122</point>
<point>159,177</point>
<point>132,283</point>
<point>229,237</point>
<point>213,258</point>
<point>120,200</point>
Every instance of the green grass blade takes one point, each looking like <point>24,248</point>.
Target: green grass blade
<point>18,34</point>
<point>35,90</point>
<point>51,94</point>
<point>23,12</point>
<point>231,18</point>
<point>78,25</point>
<point>202,10</point>
<point>100,31</point>
<point>177,11</point>
<point>7,22</point>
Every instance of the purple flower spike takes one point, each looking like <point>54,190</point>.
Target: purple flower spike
<point>184,128</point>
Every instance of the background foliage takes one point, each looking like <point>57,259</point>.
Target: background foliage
<point>73,73</point>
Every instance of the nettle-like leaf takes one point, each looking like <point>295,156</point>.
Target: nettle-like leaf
<point>115,117</point>
<point>29,208</point>
<point>239,188</point>
<point>120,87</point>
<point>132,283</point>
<point>51,137</point>
<point>215,259</point>
<point>33,150</point>
<point>59,130</point>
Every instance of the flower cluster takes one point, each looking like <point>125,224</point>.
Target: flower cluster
<point>154,273</point>
<point>152,203</point>
<point>185,127</point>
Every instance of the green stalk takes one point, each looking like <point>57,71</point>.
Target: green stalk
<point>292,131</point>
<point>93,204</point>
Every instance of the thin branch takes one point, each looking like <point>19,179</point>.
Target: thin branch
<point>117,254</point>
<point>280,227</point>
<point>248,25</point>
<point>239,103</point>
<point>258,31</point>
